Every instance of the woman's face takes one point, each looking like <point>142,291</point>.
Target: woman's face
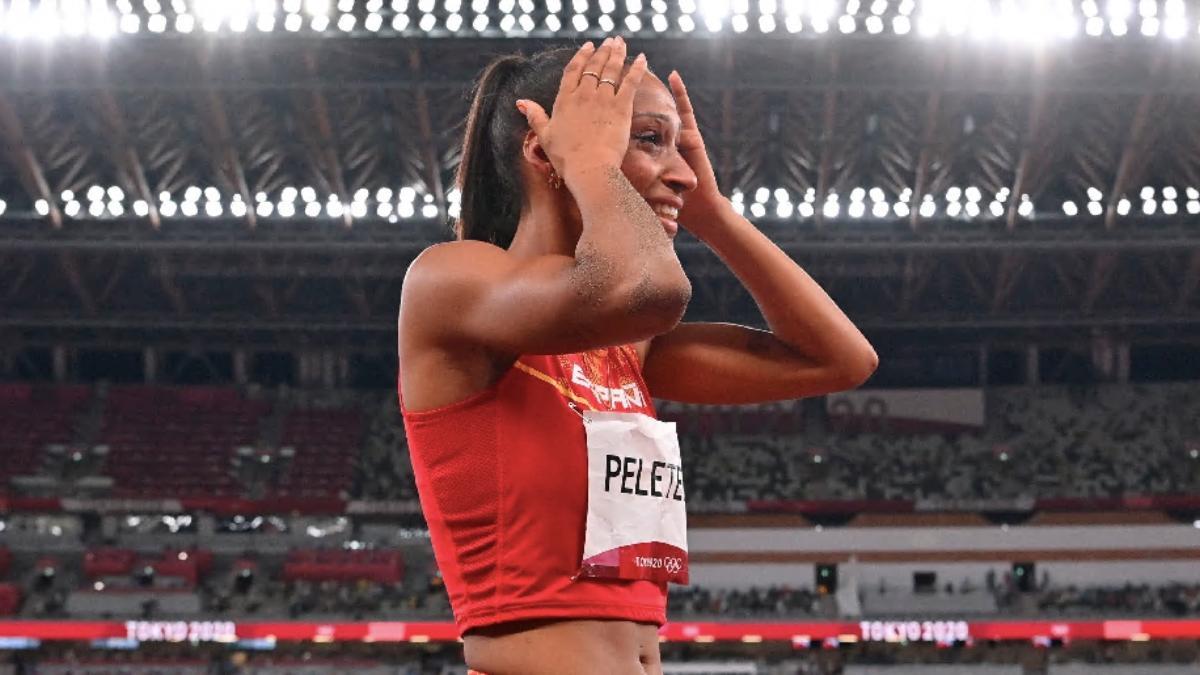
<point>652,163</point>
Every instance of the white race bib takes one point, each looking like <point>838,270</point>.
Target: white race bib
<point>636,518</point>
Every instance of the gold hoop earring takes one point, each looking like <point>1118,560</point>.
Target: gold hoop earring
<point>554,180</point>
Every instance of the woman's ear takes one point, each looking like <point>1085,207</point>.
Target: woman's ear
<point>535,154</point>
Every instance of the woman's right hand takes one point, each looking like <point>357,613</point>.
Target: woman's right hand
<point>592,118</point>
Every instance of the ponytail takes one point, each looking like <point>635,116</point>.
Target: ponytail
<point>489,170</point>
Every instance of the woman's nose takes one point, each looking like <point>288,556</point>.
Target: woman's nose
<point>679,176</point>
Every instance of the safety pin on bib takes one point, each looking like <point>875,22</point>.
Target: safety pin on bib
<point>572,406</point>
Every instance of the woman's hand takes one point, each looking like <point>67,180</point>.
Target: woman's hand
<point>705,206</point>
<point>593,110</point>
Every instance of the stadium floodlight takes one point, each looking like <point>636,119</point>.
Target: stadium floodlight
<point>167,208</point>
<point>312,209</point>
<point>1193,207</point>
<point>880,209</point>
<point>213,209</point>
<point>293,22</point>
<point>141,208</point>
<point>407,194</point>
<point>96,209</point>
<point>901,25</point>
<point>1149,207</point>
<point>1118,27</point>
<point>189,209</point>
<point>116,193</point>
<point>429,210</point>
<point>972,209</point>
<point>1118,9</point>
<point>263,209</point>
<point>286,209</point>
<point>346,23</point>
<point>806,210</point>
<point>831,209</point>
<point>71,209</point>
<point>1095,194</point>
<point>1193,193</point>
<point>95,193</point>
<point>996,209</point>
<point>953,209</point>
<point>1170,192</point>
<point>758,210</point>
<point>953,194</point>
<point>334,209</point>
<point>858,194</point>
<point>479,24</point>
<point>857,209</point>
<point>1170,208</point>
<point>1150,26</point>
<point>1147,192</point>
<point>1123,207</point>
<point>900,209</point>
<point>928,208</point>
<point>526,23</point>
<point>784,209</point>
<point>1095,208</point>
<point>405,210</point>
<point>384,209</point>
<point>308,194</point>
<point>973,194</point>
<point>1070,208</point>
<point>1025,209</point>
<point>319,23</point>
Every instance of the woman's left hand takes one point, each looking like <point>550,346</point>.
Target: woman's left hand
<point>705,206</point>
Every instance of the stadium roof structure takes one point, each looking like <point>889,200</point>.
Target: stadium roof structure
<point>261,171</point>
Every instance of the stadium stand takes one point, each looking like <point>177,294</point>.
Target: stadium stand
<point>927,669</point>
<point>176,441</point>
<point>1049,442</point>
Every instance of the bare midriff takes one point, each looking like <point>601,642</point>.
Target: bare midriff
<point>572,647</point>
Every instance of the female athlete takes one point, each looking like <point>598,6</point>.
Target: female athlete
<point>561,299</point>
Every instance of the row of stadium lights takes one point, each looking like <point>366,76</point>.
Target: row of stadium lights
<point>959,203</point>
<point>1167,200</point>
<point>194,202</point>
<point>407,203</point>
<point>983,19</point>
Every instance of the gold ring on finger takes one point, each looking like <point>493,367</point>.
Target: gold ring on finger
<point>588,72</point>
<point>608,81</point>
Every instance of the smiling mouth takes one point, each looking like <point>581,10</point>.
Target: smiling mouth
<point>669,216</point>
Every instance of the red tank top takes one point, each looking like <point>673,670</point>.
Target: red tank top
<point>502,479</point>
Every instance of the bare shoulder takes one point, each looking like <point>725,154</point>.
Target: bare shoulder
<point>455,260</point>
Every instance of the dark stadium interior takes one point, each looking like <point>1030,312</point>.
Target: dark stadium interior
<point>207,210</point>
